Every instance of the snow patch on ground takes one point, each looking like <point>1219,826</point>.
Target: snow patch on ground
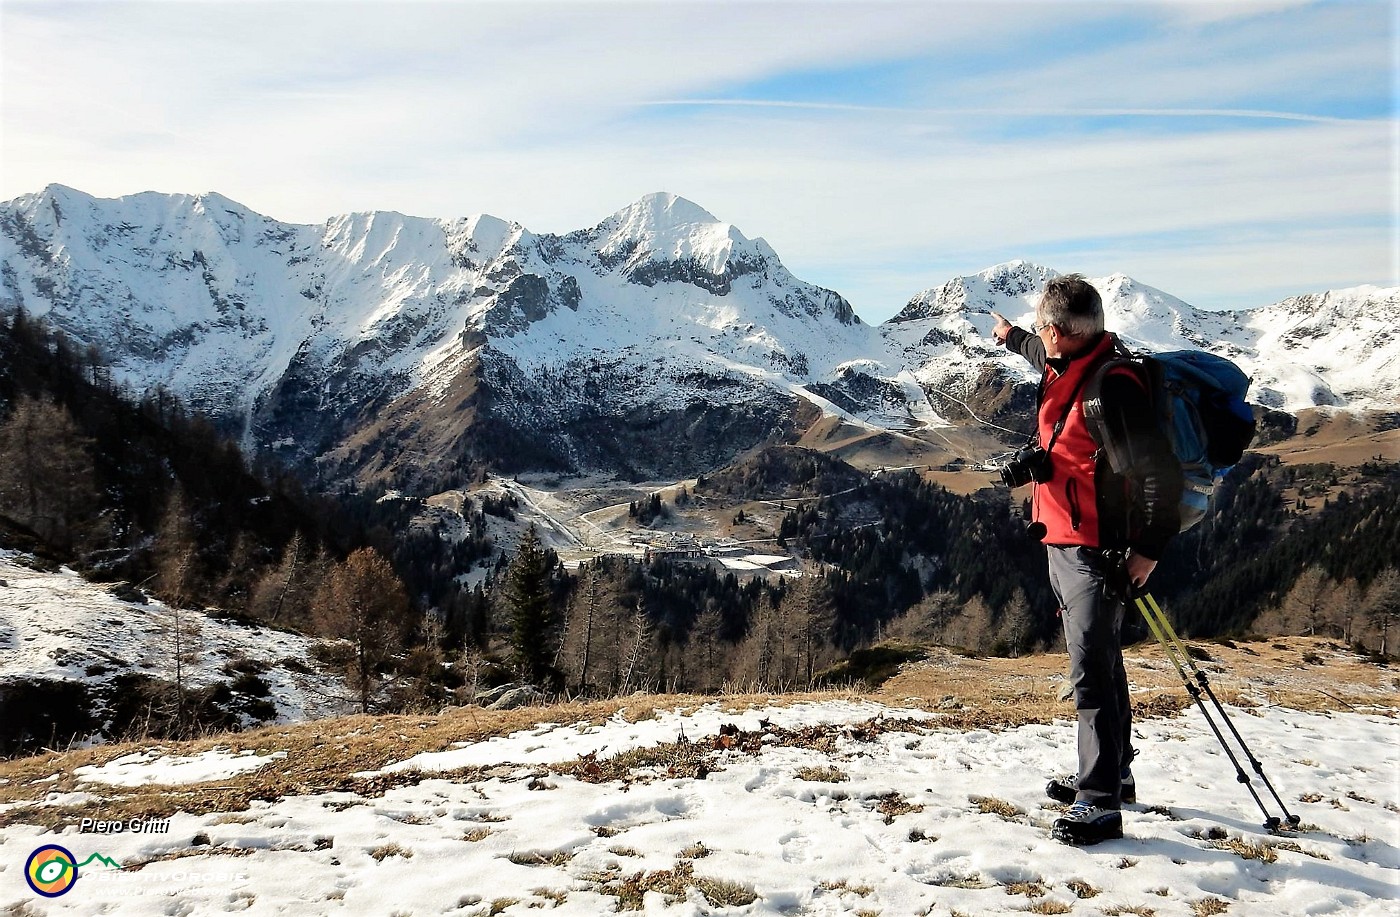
<point>59,626</point>
<point>895,826</point>
<point>149,767</point>
<point>552,742</point>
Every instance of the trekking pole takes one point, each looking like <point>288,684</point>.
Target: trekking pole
<point>1204,682</point>
<point>1271,822</point>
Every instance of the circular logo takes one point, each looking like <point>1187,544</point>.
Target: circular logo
<point>51,871</point>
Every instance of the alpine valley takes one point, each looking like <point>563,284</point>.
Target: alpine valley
<point>659,344</point>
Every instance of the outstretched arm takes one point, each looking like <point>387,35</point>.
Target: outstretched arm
<point>1019,340</point>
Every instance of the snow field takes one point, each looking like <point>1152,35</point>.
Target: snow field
<point>60,626</point>
<point>808,846</point>
<point>148,767</point>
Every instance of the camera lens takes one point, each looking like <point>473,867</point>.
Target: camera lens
<point>1014,474</point>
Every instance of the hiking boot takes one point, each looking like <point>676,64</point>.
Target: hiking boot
<point>1063,789</point>
<point>1086,824</point>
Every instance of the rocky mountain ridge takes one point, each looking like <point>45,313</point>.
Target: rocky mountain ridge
<point>660,342</point>
<point>1333,349</point>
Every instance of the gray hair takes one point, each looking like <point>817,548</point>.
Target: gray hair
<point>1072,304</point>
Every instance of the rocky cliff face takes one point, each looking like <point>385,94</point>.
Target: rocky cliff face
<point>391,346</point>
<point>659,342</point>
<point>1339,348</point>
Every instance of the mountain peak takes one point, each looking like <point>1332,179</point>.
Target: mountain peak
<point>660,211</point>
<point>995,287</point>
<point>667,228</point>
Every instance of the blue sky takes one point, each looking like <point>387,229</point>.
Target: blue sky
<point>1230,153</point>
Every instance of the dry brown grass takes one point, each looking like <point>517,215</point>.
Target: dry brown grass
<point>322,756</point>
<point>960,880</point>
<point>1048,906</point>
<point>1346,439</point>
<point>670,760</point>
<point>1081,888</point>
<point>995,692</point>
<point>384,851</point>
<point>1248,850</point>
<point>1264,851</point>
<point>825,774</point>
<point>541,858</point>
<point>893,804</point>
<point>990,805</point>
<point>630,891</point>
<point>1209,907</point>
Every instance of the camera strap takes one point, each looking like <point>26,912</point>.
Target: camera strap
<point>1064,418</point>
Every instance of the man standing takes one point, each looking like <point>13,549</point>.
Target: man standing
<point>1101,527</point>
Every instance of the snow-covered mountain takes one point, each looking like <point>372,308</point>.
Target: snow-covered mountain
<point>661,338</point>
<point>76,658</point>
<point>1338,348</point>
<point>660,342</point>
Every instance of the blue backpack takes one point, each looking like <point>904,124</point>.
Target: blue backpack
<point>1199,399</point>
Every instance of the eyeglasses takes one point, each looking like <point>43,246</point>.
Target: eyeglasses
<point>1039,326</point>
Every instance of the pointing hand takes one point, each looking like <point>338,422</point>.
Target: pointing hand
<point>1001,329</point>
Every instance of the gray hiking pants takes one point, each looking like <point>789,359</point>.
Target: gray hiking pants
<point>1093,620</point>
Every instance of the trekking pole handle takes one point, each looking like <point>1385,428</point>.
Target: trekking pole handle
<point>1119,580</point>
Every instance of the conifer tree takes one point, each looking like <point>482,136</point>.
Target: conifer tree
<point>47,477</point>
<point>177,575</point>
<point>363,601</point>
<point>758,658</point>
<point>1304,604</point>
<point>582,646</point>
<point>809,614</point>
<point>634,672</point>
<point>1383,605</point>
<point>1016,632</point>
<point>281,591</point>
<point>705,650</point>
<point>528,601</point>
<point>1343,604</point>
<point>177,551</point>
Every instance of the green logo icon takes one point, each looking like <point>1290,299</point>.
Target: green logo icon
<point>53,870</point>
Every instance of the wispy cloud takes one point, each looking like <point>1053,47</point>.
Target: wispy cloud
<point>878,146</point>
<point>1017,112</point>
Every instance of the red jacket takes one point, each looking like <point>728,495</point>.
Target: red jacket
<point>1085,502</point>
<point>1067,504</point>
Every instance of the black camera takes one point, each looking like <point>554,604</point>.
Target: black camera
<point>1030,463</point>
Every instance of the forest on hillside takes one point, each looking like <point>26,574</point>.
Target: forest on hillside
<point>133,490</point>
<point>933,565</point>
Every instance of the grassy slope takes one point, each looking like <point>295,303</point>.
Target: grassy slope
<point>1299,672</point>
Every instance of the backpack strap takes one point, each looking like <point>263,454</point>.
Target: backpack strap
<point>1080,387</point>
<point>1120,455</point>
